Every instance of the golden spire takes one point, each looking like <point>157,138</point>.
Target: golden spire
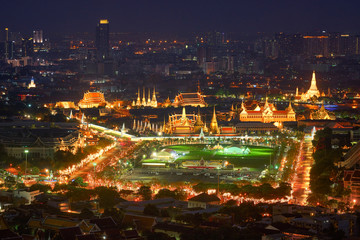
<point>214,125</point>
<point>138,102</point>
<point>313,82</point>
<point>290,108</point>
<point>183,116</point>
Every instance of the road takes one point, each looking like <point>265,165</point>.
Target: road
<point>169,175</point>
<point>301,181</point>
<point>102,161</point>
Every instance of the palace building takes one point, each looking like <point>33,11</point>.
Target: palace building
<point>267,113</point>
<point>150,102</point>
<point>65,104</point>
<point>92,99</point>
<point>189,99</point>
<point>184,123</point>
<point>313,90</point>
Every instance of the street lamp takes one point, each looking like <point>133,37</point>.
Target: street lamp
<point>26,151</point>
<point>94,164</point>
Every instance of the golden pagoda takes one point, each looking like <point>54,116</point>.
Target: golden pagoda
<point>313,90</point>
<point>214,128</point>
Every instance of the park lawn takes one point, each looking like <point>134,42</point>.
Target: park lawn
<point>257,158</point>
<point>152,161</point>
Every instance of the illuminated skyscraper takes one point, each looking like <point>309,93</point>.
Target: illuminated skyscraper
<point>102,39</point>
<point>38,36</point>
<point>6,43</point>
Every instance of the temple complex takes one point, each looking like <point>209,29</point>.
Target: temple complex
<point>189,99</point>
<point>313,90</point>
<point>322,114</point>
<point>143,102</point>
<point>267,113</point>
<point>184,123</point>
<point>92,99</point>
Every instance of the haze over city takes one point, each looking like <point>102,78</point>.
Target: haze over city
<point>184,16</point>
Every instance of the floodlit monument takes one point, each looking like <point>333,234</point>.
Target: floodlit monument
<point>189,99</point>
<point>313,90</point>
<point>267,113</point>
<point>92,99</point>
<point>150,102</point>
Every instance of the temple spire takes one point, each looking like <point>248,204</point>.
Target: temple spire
<point>153,100</point>
<point>214,125</point>
<point>183,115</point>
<point>138,101</point>
<point>149,95</point>
<point>290,108</point>
<point>313,82</point>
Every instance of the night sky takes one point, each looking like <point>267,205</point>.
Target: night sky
<point>181,16</point>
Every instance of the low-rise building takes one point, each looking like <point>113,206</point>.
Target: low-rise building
<point>203,200</point>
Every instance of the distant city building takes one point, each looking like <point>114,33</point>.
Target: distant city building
<point>38,36</point>
<point>21,62</point>
<point>92,99</point>
<point>27,47</point>
<point>102,39</point>
<point>316,45</point>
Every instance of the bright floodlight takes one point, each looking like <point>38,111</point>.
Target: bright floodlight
<point>26,151</point>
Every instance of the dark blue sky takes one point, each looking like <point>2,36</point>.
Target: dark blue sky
<point>181,16</point>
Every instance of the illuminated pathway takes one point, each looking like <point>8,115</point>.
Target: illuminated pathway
<point>301,181</point>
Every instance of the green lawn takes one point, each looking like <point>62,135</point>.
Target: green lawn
<point>256,159</point>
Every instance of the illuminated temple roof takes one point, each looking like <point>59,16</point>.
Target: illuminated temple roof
<point>189,99</point>
<point>92,99</point>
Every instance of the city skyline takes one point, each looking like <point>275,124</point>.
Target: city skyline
<point>144,16</point>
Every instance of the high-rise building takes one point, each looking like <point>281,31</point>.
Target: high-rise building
<point>6,46</point>
<point>38,36</point>
<point>316,45</point>
<point>102,39</point>
<point>27,47</point>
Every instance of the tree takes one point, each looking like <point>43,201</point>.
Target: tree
<point>245,212</point>
<point>41,187</point>
<point>157,236</point>
<point>107,197</point>
<point>145,192</point>
<point>151,210</point>
<point>86,213</point>
<point>78,182</point>
<point>116,214</point>
<point>125,193</point>
<point>230,203</point>
<point>35,170</point>
<point>76,194</point>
